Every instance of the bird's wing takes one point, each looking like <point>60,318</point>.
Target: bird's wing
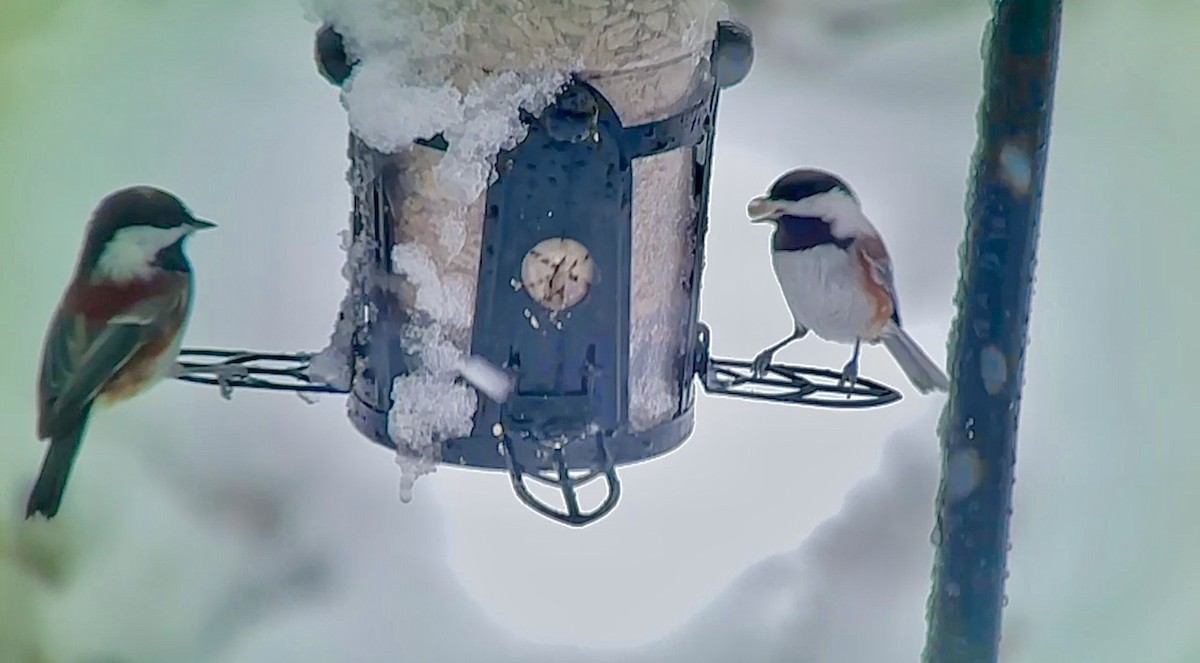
<point>80,358</point>
<point>879,269</point>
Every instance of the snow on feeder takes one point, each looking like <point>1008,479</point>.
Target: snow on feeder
<point>526,245</point>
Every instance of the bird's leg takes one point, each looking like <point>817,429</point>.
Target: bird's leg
<point>762,360</point>
<point>850,370</point>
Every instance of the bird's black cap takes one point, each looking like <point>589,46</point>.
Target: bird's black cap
<point>135,206</point>
<point>798,184</point>
<point>141,206</point>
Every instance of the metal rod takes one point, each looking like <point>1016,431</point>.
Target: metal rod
<point>979,428</point>
<point>245,369</point>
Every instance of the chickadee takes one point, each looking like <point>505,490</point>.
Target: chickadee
<point>118,326</point>
<point>836,274</point>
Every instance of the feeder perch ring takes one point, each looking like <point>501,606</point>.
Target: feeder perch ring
<point>783,383</point>
<point>567,482</point>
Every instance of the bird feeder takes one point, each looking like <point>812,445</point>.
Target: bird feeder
<point>578,276</point>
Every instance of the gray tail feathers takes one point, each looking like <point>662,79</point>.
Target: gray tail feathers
<point>921,371</point>
<point>48,491</point>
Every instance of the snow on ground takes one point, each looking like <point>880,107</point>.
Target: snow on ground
<point>263,529</point>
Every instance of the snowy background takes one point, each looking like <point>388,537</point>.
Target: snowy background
<point>267,530</point>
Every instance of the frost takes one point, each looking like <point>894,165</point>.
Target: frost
<point>389,114</point>
<point>443,298</point>
<point>334,364</point>
<point>464,68</point>
<point>430,403</point>
<point>388,111</point>
<point>498,35</point>
<point>429,407</point>
<point>331,365</point>
<point>490,122</point>
<point>414,81</point>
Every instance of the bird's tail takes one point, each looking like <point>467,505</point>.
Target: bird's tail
<point>48,491</point>
<point>921,371</point>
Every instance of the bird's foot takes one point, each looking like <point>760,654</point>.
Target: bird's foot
<point>762,361</point>
<point>849,376</point>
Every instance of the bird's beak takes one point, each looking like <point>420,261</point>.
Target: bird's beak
<point>761,209</point>
<point>201,224</point>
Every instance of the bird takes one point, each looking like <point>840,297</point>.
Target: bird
<point>836,275</point>
<point>118,326</point>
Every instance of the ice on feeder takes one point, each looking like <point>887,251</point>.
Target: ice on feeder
<point>476,123</point>
<point>490,122</point>
<point>429,407</point>
<point>444,295</point>
<point>334,364</point>
<point>430,403</point>
<point>373,95</point>
<point>457,62</point>
<point>416,79</point>
<point>498,35</point>
<point>331,365</point>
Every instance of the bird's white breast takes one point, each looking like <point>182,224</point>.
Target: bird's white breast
<point>822,287</point>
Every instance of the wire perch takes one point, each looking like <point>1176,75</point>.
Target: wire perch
<point>243,369</point>
<point>794,384</point>
<point>782,383</point>
<point>801,385</point>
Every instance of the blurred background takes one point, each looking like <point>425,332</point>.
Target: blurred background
<point>264,529</point>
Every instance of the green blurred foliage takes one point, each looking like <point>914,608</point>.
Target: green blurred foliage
<point>22,19</point>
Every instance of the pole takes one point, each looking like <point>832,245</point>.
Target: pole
<point>979,427</point>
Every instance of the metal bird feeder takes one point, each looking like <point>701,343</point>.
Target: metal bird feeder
<point>584,258</point>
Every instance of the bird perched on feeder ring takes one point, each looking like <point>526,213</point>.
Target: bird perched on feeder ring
<point>118,327</point>
<point>836,274</point>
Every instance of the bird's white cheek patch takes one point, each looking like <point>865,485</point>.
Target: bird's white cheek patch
<point>130,253</point>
